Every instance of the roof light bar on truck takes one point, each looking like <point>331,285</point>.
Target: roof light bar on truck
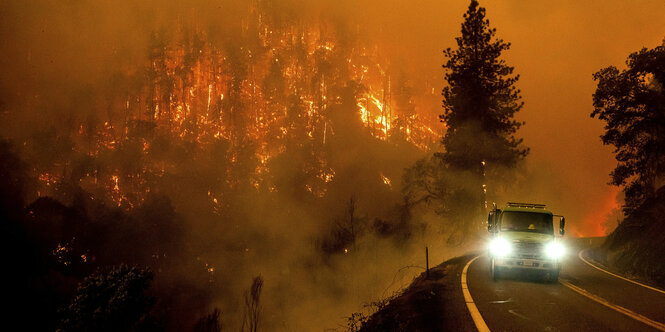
<point>526,205</point>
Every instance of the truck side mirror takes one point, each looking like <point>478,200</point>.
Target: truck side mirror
<point>492,219</point>
<point>562,225</point>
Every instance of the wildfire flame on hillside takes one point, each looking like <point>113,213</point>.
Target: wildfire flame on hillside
<point>278,85</point>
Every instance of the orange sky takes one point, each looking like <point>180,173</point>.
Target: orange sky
<point>556,47</point>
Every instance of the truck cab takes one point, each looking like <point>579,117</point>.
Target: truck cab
<point>522,238</point>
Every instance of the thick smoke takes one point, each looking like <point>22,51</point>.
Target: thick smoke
<point>67,67</point>
<point>88,103</point>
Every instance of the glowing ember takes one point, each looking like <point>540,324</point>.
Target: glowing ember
<point>116,188</point>
<point>47,178</point>
<point>386,180</point>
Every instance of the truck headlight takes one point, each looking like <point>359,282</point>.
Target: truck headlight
<point>555,250</point>
<point>500,247</point>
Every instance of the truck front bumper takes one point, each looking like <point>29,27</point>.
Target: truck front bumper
<point>524,263</point>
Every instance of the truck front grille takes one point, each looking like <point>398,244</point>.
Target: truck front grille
<point>528,250</point>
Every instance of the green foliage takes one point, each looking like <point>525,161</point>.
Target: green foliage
<point>631,103</point>
<point>113,301</point>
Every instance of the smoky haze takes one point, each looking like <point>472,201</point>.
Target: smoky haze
<point>555,48</point>
<point>60,64</point>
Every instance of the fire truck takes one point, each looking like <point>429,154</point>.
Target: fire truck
<point>522,238</point>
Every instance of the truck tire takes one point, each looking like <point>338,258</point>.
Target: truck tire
<point>495,271</point>
<point>553,276</point>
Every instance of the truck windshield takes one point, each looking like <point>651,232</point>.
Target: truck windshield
<point>526,222</point>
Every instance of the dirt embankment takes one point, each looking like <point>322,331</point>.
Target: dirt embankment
<point>428,304</point>
<point>636,246</point>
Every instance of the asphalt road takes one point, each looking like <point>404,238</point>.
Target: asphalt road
<point>585,299</point>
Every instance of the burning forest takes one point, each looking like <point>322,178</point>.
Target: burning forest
<point>269,150</point>
<point>272,90</point>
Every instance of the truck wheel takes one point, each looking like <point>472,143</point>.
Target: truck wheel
<point>495,271</point>
<point>554,276</point>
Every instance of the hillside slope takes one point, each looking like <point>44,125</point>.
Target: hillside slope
<point>637,245</point>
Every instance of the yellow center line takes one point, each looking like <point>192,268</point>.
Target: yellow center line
<point>473,310</point>
<point>616,275</point>
<point>629,313</point>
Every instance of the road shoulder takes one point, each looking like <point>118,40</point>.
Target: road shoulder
<point>428,304</point>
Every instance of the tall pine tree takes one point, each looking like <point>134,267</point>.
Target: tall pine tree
<point>479,104</point>
<point>631,102</point>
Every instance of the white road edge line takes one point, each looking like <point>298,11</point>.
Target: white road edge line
<point>618,276</point>
<point>473,310</point>
<point>631,314</point>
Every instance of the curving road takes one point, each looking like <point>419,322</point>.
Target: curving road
<point>585,299</point>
